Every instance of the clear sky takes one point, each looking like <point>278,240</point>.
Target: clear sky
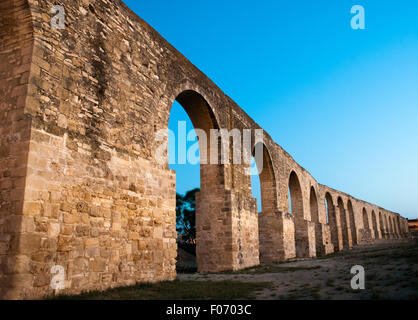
<point>342,102</point>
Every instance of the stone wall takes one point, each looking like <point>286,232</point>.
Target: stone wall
<point>81,184</point>
<point>16,44</point>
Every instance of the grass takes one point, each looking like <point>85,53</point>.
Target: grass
<point>409,253</point>
<point>332,255</point>
<point>176,290</point>
<point>330,282</point>
<point>293,296</point>
<point>269,268</point>
<point>315,292</point>
<point>303,292</point>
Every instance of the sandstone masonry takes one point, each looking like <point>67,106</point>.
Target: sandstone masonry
<point>79,183</point>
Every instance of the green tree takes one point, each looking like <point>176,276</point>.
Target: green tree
<point>186,215</point>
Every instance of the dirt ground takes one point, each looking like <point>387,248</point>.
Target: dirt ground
<point>391,272</point>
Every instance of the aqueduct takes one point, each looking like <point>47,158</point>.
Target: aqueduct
<point>80,186</point>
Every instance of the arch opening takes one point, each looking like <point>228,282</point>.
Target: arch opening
<point>256,186</point>
<point>313,204</point>
<point>398,222</point>
<point>352,222</point>
<point>395,233</point>
<point>343,223</point>
<point>392,231</point>
<point>268,197</point>
<point>270,241</point>
<point>382,227</point>
<point>332,221</point>
<point>190,121</point>
<point>365,220</point>
<point>296,209</point>
<point>374,221</point>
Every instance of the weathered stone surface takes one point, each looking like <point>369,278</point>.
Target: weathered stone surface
<point>80,183</point>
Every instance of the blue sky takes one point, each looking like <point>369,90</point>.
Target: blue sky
<point>342,102</point>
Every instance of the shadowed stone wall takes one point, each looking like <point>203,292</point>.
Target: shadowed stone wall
<point>81,186</point>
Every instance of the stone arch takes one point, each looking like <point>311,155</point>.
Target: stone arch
<point>392,231</point>
<point>387,227</point>
<point>270,233</point>
<point>267,181</point>
<point>399,226</point>
<point>374,222</point>
<point>395,230</point>
<point>352,222</point>
<point>208,226</point>
<point>382,227</point>
<point>366,231</point>
<point>343,222</point>
<point>332,221</point>
<point>192,96</point>
<point>314,210</point>
<point>202,116</point>
<point>398,221</point>
<point>296,203</point>
<point>394,226</point>
<point>365,220</point>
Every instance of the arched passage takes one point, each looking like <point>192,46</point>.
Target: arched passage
<point>343,222</point>
<point>332,221</point>
<point>352,222</point>
<point>395,230</point>
<point>387,226</point>
<point>270,233</point>
<point>398,223</point>
<point>296,208</point>
<point>382,227</point>
<point>392,230</point>
<point>365,220</point>
<point>208,202</point>
<point>313,204</point>
<point>267,181</point>
<point>255,185</point>
<point>374,221</point>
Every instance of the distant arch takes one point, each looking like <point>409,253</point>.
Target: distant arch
<point>391,226</point>
<point>374,221</point>
<point>296,205</point>
<point>313,203</point>
<point>332,221</point>
<point>343,222</point>
<point>365,220</point>
<point>398,221</point>
<point>395,231</point>
<point>352,222</point>
<point>382,227</point>
<point>387,227</point>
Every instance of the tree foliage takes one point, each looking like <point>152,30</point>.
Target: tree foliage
<point>186,215</point>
